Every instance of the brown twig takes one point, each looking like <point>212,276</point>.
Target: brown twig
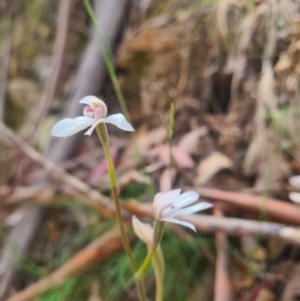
<point>276,209</point>
<point>94,198</point>
<point>231,226</point>
<point>96,251</point>
<point>59,46</point>
<point>222,290</point>
<point>39,194</point>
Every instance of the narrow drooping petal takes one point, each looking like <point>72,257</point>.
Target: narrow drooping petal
<point>189,210</point>
<point>71,126</point>
<point>119,121</point>
<point>91,129</point>
<point>177,221</point>
<point>143,231</point>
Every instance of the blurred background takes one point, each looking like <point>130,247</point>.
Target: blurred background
<point>232,70</point>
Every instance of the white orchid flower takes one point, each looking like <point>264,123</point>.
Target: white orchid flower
<point>143,231</point>
<point>93,114</point>
<point>168,205</point>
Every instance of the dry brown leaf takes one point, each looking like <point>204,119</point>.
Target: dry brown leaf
<point>292,289</point>
<point>166,179</point>
<point>180,156</point>
<point>190,141</point>
<point>155,39</point>
<point>143,142</point>
<point>211,166</point>
<point>265,295</point>
<point>147,139</point>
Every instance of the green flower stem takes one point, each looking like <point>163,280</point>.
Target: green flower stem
<point>107,56</point>
<point>158,232</point>
<point>109,62</point>
<point>102,134</point>
<point>159,271</point>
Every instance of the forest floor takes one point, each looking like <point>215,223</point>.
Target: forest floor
<point>230,70</point>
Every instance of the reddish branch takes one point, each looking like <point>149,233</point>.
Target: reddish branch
<point>98,250</point>
<point>93,197</point>
<point>59,46</point>
<point>231,226</point>
<point>275,209</point>
<point>222,283</point>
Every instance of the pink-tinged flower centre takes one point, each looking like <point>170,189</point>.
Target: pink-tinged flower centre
<point>96,112</point>
<point>162,213</point>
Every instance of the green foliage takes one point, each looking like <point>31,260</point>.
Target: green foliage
<point>184,264</point>
<point>68,291</point>
<point>133,190</point>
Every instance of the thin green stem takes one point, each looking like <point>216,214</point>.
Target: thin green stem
<point>158,232</point>
<point>159,271</point>
<point>170,138</point>
<point>102,134</point>
<point>108,60</point>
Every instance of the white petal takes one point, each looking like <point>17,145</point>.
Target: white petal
<point>119,121</point>
<point>165,198</point>
<point>187,198</point>
<point>189,210</point>
<point>143,231</point>
<point>90,100</point>
<point>295,197</point>
<point>158,195</point>
<point>70,126</point>
<point>295,181</point>
<point>176,221</point>
<point>162,197</point>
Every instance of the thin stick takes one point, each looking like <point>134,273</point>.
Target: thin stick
<point>39,113</point>
<point>5,55</point>
<point>222,284</point>
<point>57,172</point>
<point>276,209</point>
<point>98,250</point>
<point>231,226</point>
